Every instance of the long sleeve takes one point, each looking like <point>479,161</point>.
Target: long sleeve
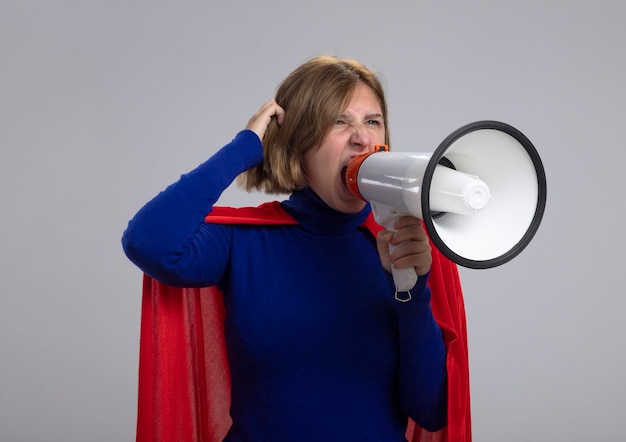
<point>168,238</point>
<point>422,370</point>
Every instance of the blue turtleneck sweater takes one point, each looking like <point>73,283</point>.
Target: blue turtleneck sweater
<point>318,348</point>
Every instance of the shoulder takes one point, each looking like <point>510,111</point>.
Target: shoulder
<point>270,213</point>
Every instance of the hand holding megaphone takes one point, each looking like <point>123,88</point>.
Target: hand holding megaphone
<point>406,278</point>
<point>481,194</point>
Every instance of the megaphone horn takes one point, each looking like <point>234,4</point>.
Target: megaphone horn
<point>481,194</point>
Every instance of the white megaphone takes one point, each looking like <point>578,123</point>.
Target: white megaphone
<point>481,194</point>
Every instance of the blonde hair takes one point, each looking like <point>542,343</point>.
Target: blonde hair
<point>313,95</point>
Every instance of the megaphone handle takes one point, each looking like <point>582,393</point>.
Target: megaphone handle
<point>404,279</point>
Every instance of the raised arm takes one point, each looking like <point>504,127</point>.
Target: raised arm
<point>168,238</point>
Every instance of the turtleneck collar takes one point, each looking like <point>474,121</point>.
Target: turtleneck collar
<point>314,215</point>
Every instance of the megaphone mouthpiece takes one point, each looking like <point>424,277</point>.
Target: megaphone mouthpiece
<point>349,174</point>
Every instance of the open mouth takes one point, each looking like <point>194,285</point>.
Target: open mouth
<point>344,169</point>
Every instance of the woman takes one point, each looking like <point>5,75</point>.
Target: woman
<point>318,348</point>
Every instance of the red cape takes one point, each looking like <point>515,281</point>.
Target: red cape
<point>184,378</point>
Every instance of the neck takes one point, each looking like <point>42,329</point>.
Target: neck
<point>314,215</point>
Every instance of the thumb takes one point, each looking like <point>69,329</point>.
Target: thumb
<point>382,244</point>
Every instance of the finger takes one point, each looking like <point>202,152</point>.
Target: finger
<point>279,112</point>
<point>406,221</point>
<point>421,263</point>
<point>409,232</point>
<point>259,122</point>
<point>415,254</point>
<point>382,245</point>
<point>412,249</point>
<point>409,248</point>
<point>271,108</point>
<point>266,111</point>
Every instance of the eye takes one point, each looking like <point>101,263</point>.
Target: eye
<point>373,122</point>
<point>339,122</point>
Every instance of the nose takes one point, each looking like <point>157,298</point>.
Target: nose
<point>361,138</point>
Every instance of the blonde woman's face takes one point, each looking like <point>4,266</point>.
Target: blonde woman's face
<point>358,128</point>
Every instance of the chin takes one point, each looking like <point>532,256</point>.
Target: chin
<point>347,202</point>
<point>354,206</point>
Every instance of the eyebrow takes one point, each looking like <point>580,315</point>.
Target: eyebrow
<point>367,117</point>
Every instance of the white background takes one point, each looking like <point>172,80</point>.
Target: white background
<point>104,103</point>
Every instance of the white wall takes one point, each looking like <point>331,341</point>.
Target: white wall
<point>104,103</point>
